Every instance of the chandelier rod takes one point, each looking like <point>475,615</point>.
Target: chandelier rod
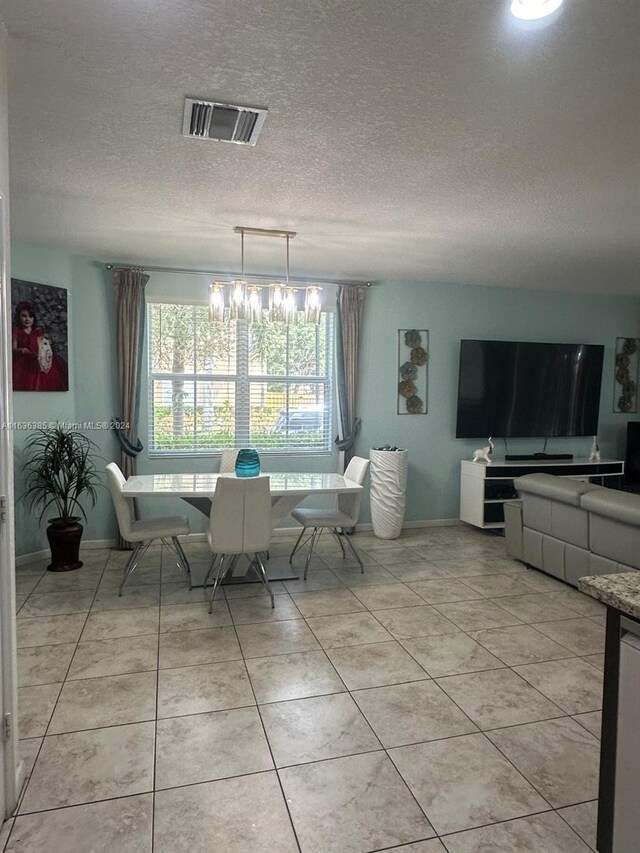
<point>228,275</point>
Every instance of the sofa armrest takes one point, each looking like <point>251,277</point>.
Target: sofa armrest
<point>621,506</point>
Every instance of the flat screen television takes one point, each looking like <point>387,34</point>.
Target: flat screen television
<point>513,389</point>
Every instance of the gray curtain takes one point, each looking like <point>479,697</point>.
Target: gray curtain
<point>349,323</point>
<point>129,287</point>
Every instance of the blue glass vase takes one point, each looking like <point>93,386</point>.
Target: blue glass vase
<point>247,463</point>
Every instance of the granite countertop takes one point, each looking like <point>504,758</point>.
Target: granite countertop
<point>620,590</point>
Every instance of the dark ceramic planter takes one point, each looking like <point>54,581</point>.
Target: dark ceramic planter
<point>64,540</point>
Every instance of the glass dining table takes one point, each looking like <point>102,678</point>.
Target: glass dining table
<point>287,491</point>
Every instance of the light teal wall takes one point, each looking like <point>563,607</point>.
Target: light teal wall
<point>450,312</point>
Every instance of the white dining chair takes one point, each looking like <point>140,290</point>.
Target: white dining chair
<point>242,511</point>
<point>143,532</point>
<point>228,460</point>
<point>338,520</point>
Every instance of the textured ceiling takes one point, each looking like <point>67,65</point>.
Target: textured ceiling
<point>417,139</point>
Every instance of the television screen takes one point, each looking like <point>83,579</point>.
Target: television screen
<point>512,389</point>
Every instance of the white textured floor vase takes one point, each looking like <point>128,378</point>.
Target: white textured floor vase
<point>388,491</point>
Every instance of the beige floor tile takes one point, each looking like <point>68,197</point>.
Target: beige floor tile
<point>57,603</point>
<point>121,825</point>
<point>35,707</point>
<point>44,664</point>
<point>144,595</point>
<point>535,607</point>
<point>193,617</point>
<point>494,586</point>
<point>411,573</point>
<point>498,697</point>
<point>5,830</point>
<point>243,815</point>
<point>444,590</point>
<point>558,757</point>
<point>450,654</point>
<point>315,729</point>
<point>385,596</point>
<point>316,580</point>
<point>250,590</point>
<point>20,602</point>
<point>464,782</point>
<point>595,660</point>
<point>581,636</point>
<point>198,689</point>
<point>541,582</point>
<point>28,749</point>
<point>142,576</point>
<point>432,846</point>
<point>110,701</point>
<point>437,553</point>
<point>519,644</point>
<point>210,746</point>
<point>47,630</point>
<point>410,713</point>
<point>348,629</point>
<point>179,593</point>
<point>581,603</point>
<point>398,557</point>
<point>293,676</point>
<point>476,615</point>
<point>592,722</point>
<point>465,567</point>
<point>375,665</point>
<point>543,833</point>
<point>352,804</point>
<point>583,818</point>
<point>276,638</point>
<point>571,684</point>
<point>407,622</point>
<point>88,766</point>
<point>95,658</point>
<point>353,577</point>
<point>245,611</point>
<point>185,648</point>
<point>327,602</point>
<point>110,624</point>
<point>83,579</point>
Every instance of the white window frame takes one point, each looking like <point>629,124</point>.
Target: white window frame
<point>242,380</point>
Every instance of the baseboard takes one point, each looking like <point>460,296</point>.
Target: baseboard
<point>94,544</point>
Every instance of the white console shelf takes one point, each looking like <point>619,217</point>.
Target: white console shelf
<point>485,488</point>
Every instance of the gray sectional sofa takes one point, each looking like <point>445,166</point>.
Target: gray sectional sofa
<point>570,529</point>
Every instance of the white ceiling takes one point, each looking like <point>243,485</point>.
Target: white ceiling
<point>417,139</point>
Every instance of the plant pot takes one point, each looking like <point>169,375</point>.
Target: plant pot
<point>64,537</point>
<point>388,491</point>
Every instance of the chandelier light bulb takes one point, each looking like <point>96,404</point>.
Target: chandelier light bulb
<point>289,305</point>
<point>312,304</point>
<point>533,10</point>
<point>255,304</point>
<point>216,301</point>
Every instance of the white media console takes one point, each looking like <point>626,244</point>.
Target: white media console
<point>484,489</point>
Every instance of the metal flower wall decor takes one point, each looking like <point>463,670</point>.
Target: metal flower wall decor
<point>413,361</point>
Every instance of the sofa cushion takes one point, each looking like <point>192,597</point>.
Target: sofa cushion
<point>554,488</point>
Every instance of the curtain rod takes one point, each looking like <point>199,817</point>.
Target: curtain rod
<point>228,274</point>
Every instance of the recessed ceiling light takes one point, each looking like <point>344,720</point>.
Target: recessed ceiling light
<point>533,10</point>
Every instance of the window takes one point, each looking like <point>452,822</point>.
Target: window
<point>237,384</point>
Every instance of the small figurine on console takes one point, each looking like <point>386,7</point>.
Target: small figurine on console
<point>594,453</point>
<point>484,453</point>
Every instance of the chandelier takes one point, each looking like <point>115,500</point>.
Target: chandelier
<point>240,299</point>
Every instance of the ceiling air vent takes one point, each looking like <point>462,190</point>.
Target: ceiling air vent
<point>222,122</point>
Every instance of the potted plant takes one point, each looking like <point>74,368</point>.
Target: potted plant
<point>59,472</point>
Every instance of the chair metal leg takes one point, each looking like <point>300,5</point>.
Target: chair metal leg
<point>264,579</point>
<point>216,582</point>
<point>314,538</point>
<point>354,552</point>
<point>182,557</point>
<point>214,557</point>
<point>295,547</point>
<point>132,562</point>
<point>338,539</point>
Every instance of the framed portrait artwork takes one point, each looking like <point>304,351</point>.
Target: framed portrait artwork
<point>39,339</point>
<point>413,371</point>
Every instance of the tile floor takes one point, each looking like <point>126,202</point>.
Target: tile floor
<point>446,700</point>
